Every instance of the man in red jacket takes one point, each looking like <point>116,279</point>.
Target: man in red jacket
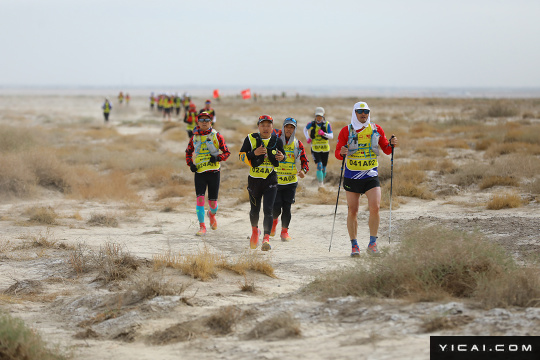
<point>361,142</point>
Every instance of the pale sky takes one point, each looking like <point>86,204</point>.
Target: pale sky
<point>338,43</point>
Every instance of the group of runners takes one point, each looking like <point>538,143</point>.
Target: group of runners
<point>276,160</point>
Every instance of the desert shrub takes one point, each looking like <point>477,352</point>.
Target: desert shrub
<point>149,287</point>
<point>469,174</point>
<point>17,341</point>
<point>280,326</point>
<point>42,215</point>
<point>224,321</point>
<point>432,262</point>
<point>48,170</point>
<point>504,201</point>
<point>534,186</point>
<point>484,144</point>
<point>501,109</point>
<point>495,180</point>
<point>205,264</point>
<point>16,179</point>
<point>14,139</point>
<point>170,191</point>
<point>107,220</point>
<point>110,186</point>
<point>519,287</point>
<point>114,262</point>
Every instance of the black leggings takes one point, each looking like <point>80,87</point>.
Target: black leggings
<point>282,205</point>
<point>262,190</point>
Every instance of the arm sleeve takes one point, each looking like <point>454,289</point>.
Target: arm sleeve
<point>304,163</point>
<point>342,141</point>
<point>279,147</point>
<point>329,134</point>
<point>306,131</point>
<point>384,144</point>
<point>189,152</point>
<point>225,153</point>
<point>246,148</point>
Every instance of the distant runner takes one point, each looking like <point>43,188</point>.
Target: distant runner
<point>363,140</point>
<point>209,110</point>
<point>107,107</point>
<point>262,151</point>
<point>152,101</point>
<point>317,133</point>
<point>191,119</point>
<point>120,97</point>
<point>203,158</point>
<point>287,177</point>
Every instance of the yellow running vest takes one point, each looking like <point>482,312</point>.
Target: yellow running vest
<point>287,171</point>
<point>364,158</point>
<point>262,171</point>
<point>319,144</point>
<point>205,146</point>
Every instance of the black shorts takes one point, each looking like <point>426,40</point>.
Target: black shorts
<point>210,180</point>
<point>360,186</point>
<point>320,157</point>
<point>258,186</point>
<point>286,193</point>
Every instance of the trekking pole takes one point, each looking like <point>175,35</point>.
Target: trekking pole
<point>335,211</point>
<point>391,178</point>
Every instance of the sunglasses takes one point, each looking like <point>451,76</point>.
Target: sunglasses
<point>291,119</point>
<point>360,111</point>
<point>265,117</point>
<point>205,120</point>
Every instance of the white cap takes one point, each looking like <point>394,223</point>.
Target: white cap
<point>319,111</point>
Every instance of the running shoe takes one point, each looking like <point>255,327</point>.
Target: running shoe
<point>213,221</point>
<point>202,230</point>
<point>254,240</point>
<point>372,250</point>
<point>285,235</point>
<point>355,249</point>
<point>266,243</point>
<point>274,225</point>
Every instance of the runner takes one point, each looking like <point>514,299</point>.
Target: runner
<point>317,133</point>
<point>177,103</point>
<point>209,110</point>
<point>128,98</point>
<point>262,151</point>
<point>360,142</point>
<point>206,144</point>
<point>107,107</point>
<point>152,101</point>
<point>287,177</point>
<point>120,97</point>
<point>191,119</point>
<point>167,107</point>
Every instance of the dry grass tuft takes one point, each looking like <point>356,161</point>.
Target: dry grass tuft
<point>114,262</point>
<point>171,191</point>
<point>151,286</point>
<point>111,186</point>
<point>42,215</point>
<point>20,342</point>
<point>504,201</point>
<point>501,109</point>
<point>107,220</point>
<point>495,180</point>
<point>15,178</point>
<point>42,240</point>
<point>205,264</point>
<point>224,321</point>
<point>433,263</point>
<point>281,326</point>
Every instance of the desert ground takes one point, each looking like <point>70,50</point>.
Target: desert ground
<point>98,252</point>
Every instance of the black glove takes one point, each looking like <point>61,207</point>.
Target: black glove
<point>193,168</point>
<point>213,159</point>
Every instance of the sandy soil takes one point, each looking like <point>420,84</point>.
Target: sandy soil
<point>340,328</point>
